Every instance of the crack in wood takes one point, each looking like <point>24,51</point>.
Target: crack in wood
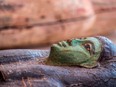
<point>62,21</point>
<point>47,23</point>
<point>2,76</point>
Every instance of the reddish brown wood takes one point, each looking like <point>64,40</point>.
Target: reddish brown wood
<point>31,23</point>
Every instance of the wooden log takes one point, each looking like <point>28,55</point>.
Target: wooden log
<point>32,23</point>
<point>11,56</point>
<point>41,75</point>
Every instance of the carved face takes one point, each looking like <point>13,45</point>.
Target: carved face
<point>82,52</point>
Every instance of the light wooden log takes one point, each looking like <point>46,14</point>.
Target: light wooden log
<point>32,23</point>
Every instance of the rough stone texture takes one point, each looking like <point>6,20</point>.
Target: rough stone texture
<point>31,23</point>
<point>24,68</point>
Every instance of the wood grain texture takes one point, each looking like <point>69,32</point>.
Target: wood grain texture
<point>32,73</point>
<point>32,23</point>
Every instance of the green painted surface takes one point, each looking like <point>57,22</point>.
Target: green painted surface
<point>83,52</point>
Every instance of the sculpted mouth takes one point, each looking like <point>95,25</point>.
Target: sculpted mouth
<point>55,47</point>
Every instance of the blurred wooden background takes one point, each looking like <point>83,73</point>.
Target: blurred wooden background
<point>36,23</point>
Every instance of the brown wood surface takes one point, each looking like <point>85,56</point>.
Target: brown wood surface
<point>31,23</point>
<point>23,68</point>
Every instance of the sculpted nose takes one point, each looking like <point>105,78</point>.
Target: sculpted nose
<point>72,42</point>
<point>69,42</point>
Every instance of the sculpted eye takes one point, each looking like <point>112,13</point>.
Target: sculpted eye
<point>89,47</point>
